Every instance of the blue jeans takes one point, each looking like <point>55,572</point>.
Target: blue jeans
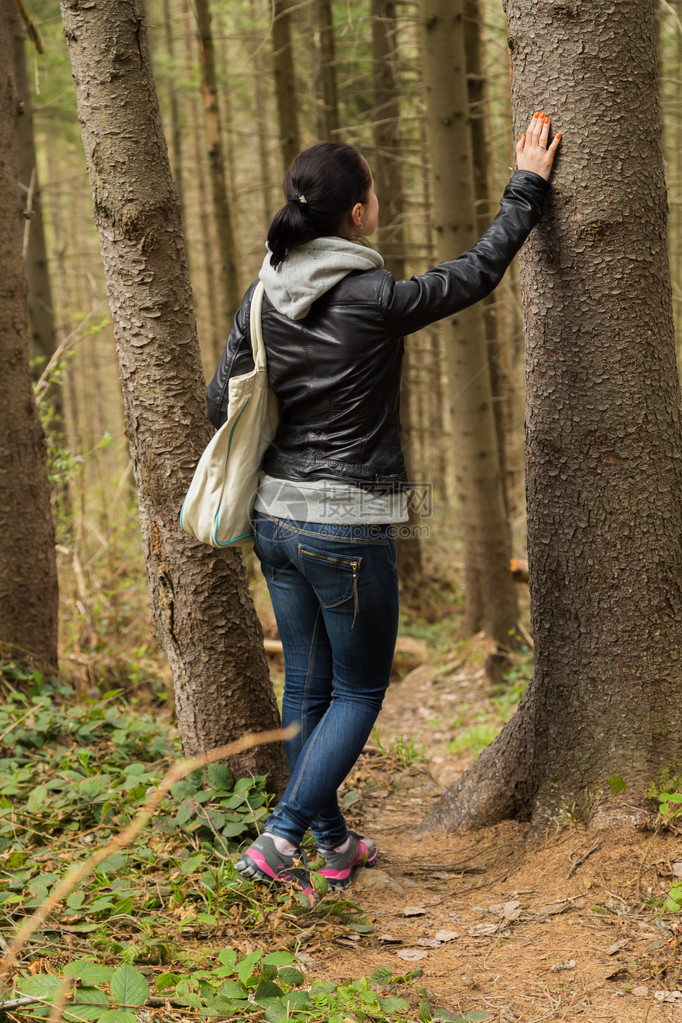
<point>334,590</point>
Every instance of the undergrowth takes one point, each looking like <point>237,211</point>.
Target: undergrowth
<point>165,922</point>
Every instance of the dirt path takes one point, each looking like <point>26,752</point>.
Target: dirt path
<point>562,928</point>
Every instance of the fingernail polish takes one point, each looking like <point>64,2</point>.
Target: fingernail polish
<point>547,120</point>
<point>536,115</point>
<point>558,135</point>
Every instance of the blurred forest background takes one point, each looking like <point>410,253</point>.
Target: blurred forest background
<point>243,86</point>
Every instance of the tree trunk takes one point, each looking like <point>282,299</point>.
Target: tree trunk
<point>490,593</point>
<point>391,237</point>
<point>604,440</point>
<point>199,597</point>
<point>174,108</point>
<point>328,121</point>
<point>285,82</point>
<point>229,276</point>
<point>28,568</point>
<point>42,339</point>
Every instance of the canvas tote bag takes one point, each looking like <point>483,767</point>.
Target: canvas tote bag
<point>221,496</point>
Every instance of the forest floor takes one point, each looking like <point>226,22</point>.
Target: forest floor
<point>564,925</point>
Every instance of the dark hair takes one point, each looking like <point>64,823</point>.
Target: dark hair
<point>322,186</point>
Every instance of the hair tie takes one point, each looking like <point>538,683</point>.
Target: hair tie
<point>297,198</point>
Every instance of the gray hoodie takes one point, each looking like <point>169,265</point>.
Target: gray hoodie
<point>310,270</point>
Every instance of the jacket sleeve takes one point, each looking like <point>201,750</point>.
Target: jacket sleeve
<point>237,358</point>
<point>444,290</point>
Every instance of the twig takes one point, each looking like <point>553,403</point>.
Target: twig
<point>179,770</point>
<point>69,340</point>
<point>59,1002</point>
<point>576,863</point>
<point>33,33</point>
<point>28,213</point>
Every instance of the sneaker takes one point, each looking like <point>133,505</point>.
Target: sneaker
<point>262,861</point>
<point>339,867</point>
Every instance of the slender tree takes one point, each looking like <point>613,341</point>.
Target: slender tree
<point>42,334</point>
<point>285,82</point>
<point>199,598</point>
<point>229,276</point>
<point>490,595</point>
<point>328,121</point>
<point>28,569</point>
<point>604,437</point>
<point>391,238</point>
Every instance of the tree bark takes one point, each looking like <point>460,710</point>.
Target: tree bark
<point>604,439</point>
<point>28,568</point>
<point>328,121</point>
<point>229,276</point>
<point>199,598</point>
<point>42,337</point>
<point>391,238</point>
<point>285,83</point>
<point>491,601</point>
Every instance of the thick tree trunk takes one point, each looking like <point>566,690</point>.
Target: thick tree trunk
<point>28,568</point>
<point>391,237</point>
<point>199,597</point>
<point>490,593</point>
<point>285,82</point>
<point>604,440</point>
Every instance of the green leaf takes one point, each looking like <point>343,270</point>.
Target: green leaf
<point>36,799</point>
<point>88,972</point>
<point>291,976</point>
<point>278,959</point>
<point>42,985</point>
<point>617,784</point>
<point>191,864</point>
<point>233,989</point>
<point>128,987</point>
<point>275,1012</point>
<point>218,776</point>
<point>245,968</point>
<point>92,1003</point>
<point>266,991</point>
<point>117,1016</point>
<point>231,830</point>
<point>393,1004</point>
<point>167,980</point>
<point>186,811</point>
<point>228,957</point>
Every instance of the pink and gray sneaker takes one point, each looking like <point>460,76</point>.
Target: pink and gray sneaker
<point>262,861</point>
<point>338,870</point>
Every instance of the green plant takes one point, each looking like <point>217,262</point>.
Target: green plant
<point>403,752</point>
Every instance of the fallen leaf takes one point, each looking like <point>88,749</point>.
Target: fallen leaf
<point>676,869</point>
<point>389,939</point>
<point>447,935</point>
<point>414,911</point>
<point>553,908</point>
<point>570,965</point>
<point>412,954</point>
<point>482,929</point>
<point>428,942</point>
<point>507,910</point>
<point>641,991</point>
<point>616,947</point>
<point>668,996</point>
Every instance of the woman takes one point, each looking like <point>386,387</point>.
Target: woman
<point>333,482</point>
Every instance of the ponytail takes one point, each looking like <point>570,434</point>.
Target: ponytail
<point>322,186</point>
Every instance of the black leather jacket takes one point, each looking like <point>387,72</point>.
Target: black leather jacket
<point>336,372</point>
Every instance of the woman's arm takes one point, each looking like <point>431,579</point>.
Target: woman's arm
<point>237,358</point>
<point>445,289</point>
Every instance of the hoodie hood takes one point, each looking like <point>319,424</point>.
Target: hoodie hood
<point>310,270</point>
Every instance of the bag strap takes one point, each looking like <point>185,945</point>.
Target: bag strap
<point>255,327</point>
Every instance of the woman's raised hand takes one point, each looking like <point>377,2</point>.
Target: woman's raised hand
<point>532,151</point>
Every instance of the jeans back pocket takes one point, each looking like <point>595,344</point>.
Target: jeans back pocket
<point>334,578</point>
